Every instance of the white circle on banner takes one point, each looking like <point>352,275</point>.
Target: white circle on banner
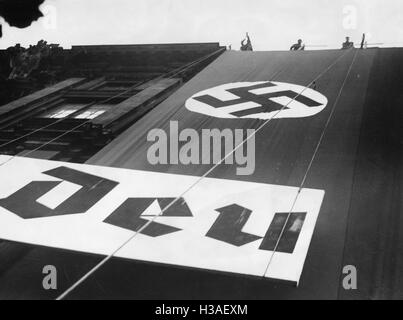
<point>258,100</point>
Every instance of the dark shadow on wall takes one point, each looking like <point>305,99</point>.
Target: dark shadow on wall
<point>20,13</point>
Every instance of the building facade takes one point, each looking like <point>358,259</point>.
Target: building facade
<point>66,105</point>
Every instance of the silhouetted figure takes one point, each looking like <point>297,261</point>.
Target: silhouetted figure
<point>298,46</point>
<point>348,44</point>
<point>248,45</point>
<point>363,41</point>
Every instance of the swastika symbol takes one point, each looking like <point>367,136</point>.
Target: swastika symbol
<point>266,104</point>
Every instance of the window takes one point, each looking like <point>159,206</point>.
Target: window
<point>61,114</point>
<point>89,115</point>
<point>67,109</point>
<point>63,111</point>
<point>94,111</point>
<point>117,86</point>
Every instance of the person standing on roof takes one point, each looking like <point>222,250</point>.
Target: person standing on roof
<point>298,46</point>
<point>348,44</point>
<point>363,42</point>
<point>248,45</point>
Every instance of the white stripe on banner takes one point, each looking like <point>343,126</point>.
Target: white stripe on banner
<point>220,225</point>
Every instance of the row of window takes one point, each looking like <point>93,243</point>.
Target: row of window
<point>67,109</point>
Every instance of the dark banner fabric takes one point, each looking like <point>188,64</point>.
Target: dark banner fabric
<point>317,146</point>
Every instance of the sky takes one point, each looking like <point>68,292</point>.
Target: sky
<point>272,24</point>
